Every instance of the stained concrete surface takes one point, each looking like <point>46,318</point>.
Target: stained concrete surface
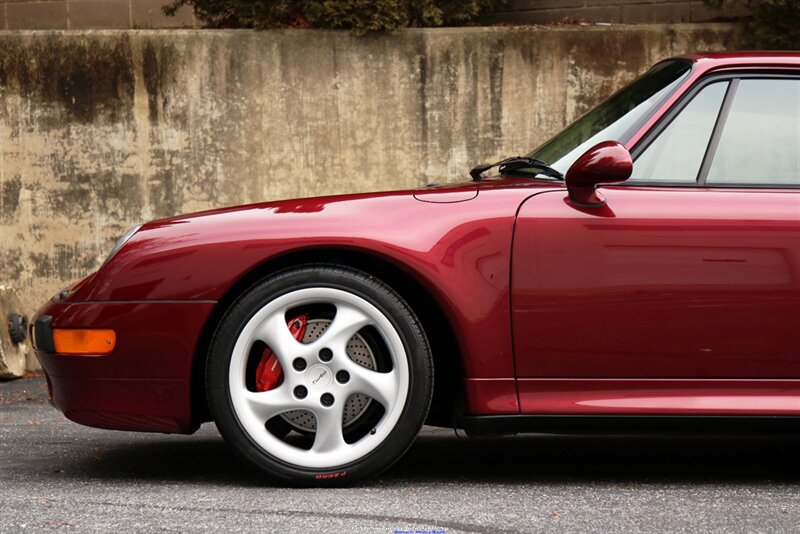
<point>13,355</point>
<point>58,476</point>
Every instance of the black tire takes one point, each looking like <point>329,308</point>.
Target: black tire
<point>382,297</point>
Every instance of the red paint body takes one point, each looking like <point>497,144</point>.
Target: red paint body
<point>605,163</point>
<point>680,288</point>
<point>671,397</point>
<point>665,300</point>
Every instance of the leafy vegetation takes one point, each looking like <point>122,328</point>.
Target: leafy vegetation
<point>360,16</point>
<point>771,25</point>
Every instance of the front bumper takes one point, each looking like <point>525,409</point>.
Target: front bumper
<point>145,383</point>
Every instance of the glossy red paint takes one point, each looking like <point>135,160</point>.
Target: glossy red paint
<point>446,195</point>
<point>673,397</point>
<point>155,340</point>
<point>491,396</point>
<point>662,283</point>
<point>672,298</point>
<point>605,163</point>
<point>177,269</point>
<point>459,251</point>
<point>151,405</point>
<point>144,384</point>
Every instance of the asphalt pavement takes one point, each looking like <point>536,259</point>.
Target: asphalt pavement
<point>59,476</point>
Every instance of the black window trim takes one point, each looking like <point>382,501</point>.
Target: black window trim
<point>716,132</point>
<point>733,77</point>
<point>670,117</point>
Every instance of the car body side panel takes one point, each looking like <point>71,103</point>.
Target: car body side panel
<point>659,283</point>
<point>491,396</point>
<point>659,397</point>
<point>151,405</point>
<point>155,340</point>
<point>460,252</point>
<point>145,383</point>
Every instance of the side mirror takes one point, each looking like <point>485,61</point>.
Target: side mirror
<point>605,163</point>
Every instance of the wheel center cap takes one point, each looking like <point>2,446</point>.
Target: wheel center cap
<point>319,376</point>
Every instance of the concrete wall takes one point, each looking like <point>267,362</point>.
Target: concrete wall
<point>102,130</point>
<point>613,11</point>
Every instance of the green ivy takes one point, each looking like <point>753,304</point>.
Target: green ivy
<point>360,16</point>
<point>771,25</point>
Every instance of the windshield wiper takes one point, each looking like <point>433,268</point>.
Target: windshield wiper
<point>514,164</point>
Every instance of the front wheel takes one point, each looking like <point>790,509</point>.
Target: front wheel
<point>320,375</point>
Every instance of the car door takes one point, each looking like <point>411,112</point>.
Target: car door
<point>687,283</point>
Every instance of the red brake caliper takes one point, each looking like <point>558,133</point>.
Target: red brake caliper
<point>269,371</point>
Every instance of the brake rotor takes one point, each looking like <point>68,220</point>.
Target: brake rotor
<point>358,351</point>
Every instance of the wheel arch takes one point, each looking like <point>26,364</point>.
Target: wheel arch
<point>438,327</point>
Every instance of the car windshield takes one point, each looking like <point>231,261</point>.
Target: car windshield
<point>617,118</point>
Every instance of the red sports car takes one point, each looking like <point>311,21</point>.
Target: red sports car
<point>639,270</point>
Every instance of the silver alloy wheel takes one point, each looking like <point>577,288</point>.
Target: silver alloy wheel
<point>357,350</point>
<point>254,409</point>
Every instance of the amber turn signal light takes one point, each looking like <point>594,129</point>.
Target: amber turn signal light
<point>84,342</point>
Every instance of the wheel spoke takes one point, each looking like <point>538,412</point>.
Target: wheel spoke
<point>267,404</point>
<point>346,323</point>
<point>329,435</point>
<point>275,333</point>
<point>382,387</point>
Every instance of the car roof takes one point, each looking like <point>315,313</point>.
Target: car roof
<point>714,60</point>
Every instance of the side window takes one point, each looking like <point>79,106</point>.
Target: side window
<point>677,153</point>
<point>760,142</point>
